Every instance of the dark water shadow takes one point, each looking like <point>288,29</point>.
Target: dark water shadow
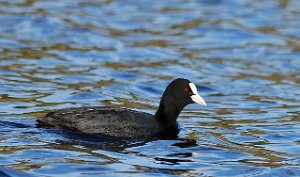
<point>7,124</point>
<point>110,143</point>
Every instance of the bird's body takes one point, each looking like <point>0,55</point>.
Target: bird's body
<point>123,122</point>
<point>105,120</point>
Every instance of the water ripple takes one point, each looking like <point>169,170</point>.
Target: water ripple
<point>242,54</point>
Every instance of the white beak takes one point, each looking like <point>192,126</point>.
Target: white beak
<point>196,97</point>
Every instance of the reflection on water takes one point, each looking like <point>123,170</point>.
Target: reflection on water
<point>243,54</point>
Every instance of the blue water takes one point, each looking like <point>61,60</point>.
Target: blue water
<point>243,54</point>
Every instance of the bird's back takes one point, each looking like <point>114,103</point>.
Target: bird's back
<point>118,122</point>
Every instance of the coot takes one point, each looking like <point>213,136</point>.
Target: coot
<point>123,122</point>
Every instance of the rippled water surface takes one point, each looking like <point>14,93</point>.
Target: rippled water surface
<point>244,54</point>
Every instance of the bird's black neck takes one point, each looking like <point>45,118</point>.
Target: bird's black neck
<point>168,114</point>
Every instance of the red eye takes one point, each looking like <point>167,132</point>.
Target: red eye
<point>186,89</point>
